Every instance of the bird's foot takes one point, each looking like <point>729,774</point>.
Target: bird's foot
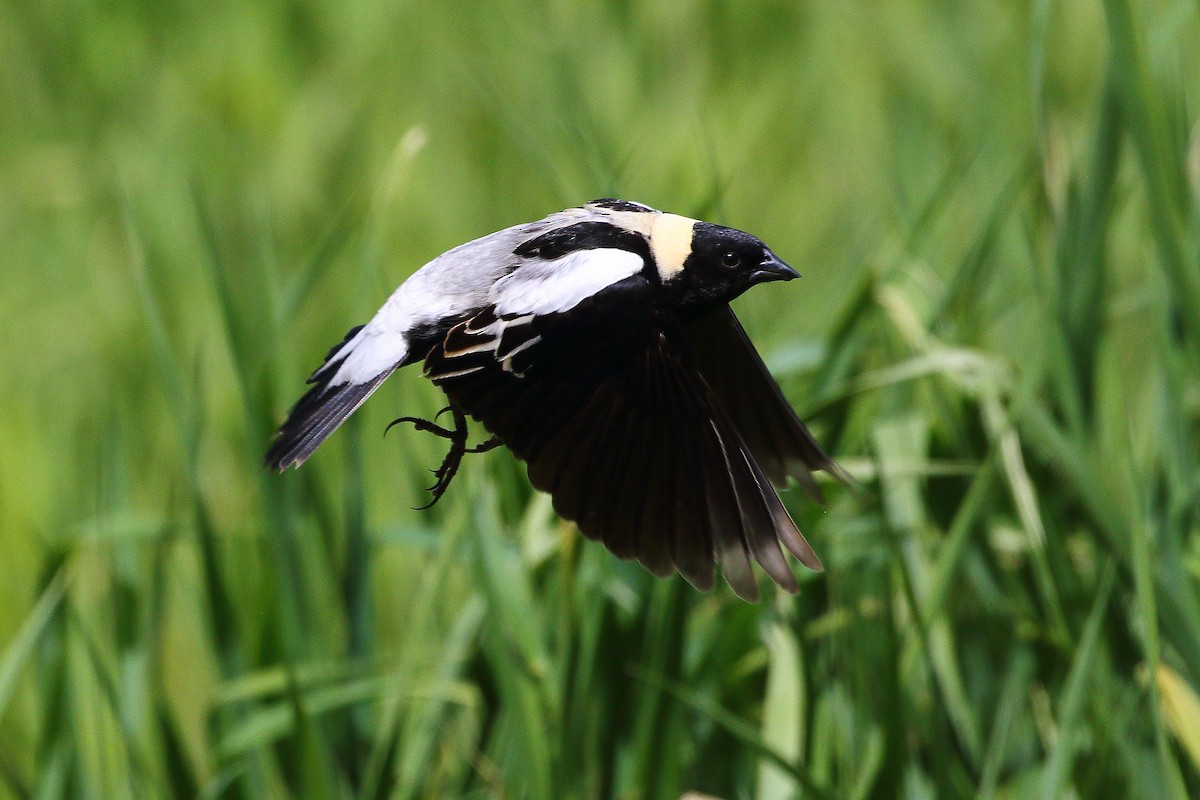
<point>429,426</point>
<point>445,473</point>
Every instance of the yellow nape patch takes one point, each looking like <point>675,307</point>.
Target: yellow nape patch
<point>669,235</point>
<point>670,243</point>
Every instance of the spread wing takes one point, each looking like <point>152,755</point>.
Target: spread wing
<point>606,407</point>
<point>743,386</point>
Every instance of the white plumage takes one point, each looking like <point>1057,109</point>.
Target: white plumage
<point>552,287</point>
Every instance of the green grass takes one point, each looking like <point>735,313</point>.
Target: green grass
<point>995,209</point>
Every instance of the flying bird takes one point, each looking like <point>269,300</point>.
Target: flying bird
<point>598,345</point>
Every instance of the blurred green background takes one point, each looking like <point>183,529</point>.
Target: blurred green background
<point>993,204</point>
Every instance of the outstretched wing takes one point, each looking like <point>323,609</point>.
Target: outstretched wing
<point>743,386</point>
<point>607,409</point>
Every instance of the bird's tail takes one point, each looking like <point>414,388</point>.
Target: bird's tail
<point>322,409</point>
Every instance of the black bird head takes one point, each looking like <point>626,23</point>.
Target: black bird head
<point>720,264</point>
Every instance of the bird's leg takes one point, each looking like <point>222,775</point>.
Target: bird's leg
<point>445,473</point>
<point>450,464</point>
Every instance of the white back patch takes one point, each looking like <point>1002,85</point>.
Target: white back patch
<point>368,355</point>
<point>550,287</point>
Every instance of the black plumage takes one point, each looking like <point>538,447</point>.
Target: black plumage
<point>617,418</point>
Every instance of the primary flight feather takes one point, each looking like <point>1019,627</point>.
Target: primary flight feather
<point>598,345</point>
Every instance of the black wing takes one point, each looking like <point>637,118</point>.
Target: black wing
<point>754,402</point>
<point>612,418</point>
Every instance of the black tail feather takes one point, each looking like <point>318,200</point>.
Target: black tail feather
<point>317,414</point>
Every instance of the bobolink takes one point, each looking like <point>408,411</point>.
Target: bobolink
<point>598,346</point>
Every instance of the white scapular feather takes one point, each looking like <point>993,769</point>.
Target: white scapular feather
<point>551,287</point>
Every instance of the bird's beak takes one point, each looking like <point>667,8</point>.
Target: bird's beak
<point>772,269</point>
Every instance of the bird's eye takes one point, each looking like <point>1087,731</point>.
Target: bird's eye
<point>731,259</point>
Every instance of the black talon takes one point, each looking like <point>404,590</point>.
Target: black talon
<point>445,473</point>
<point>422,425</point>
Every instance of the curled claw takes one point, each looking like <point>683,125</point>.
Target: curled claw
<point>422,425</point>
<point>431,426</point>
